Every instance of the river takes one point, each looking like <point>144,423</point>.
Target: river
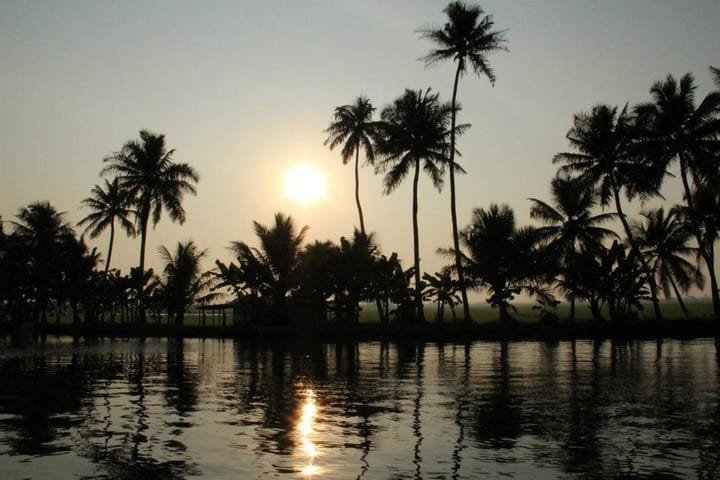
<point>159,408</point>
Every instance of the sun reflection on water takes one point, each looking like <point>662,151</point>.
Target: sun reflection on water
<point>305,431</point>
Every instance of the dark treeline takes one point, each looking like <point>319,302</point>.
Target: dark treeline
<point>616,154</point>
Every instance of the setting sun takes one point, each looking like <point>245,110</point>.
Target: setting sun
<point>304,184</point>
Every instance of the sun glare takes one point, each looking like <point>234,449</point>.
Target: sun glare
<point>304,184</point>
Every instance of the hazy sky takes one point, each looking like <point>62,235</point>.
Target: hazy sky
<point>244,90</point>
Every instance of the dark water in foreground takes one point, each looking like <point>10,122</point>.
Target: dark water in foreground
<point>225,409</point>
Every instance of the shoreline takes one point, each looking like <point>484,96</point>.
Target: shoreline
<point>447,332</point>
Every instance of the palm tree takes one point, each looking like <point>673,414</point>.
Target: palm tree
<point>353,127</point>
<point>569,224</point>
<point>41,231</point>
<point>603,140</point>
<point>665,241</point>
<point>467,38</point>
<point>107,205</point>
<point>272,269</point>
<point>716,75</point>
<point>145,169</point>
<point>413,134</point>
<point>673,128</point>
<point>184,282</point>
<point>443,288</point>
<point>502,258</point>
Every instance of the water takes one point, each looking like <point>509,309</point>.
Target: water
<point>227,409</point>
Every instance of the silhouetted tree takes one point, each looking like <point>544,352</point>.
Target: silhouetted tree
<point>570,224</point>
<point>354,128</point>
<point>414,133</point>
<point>391,285</point>
<point>271,269</point>
<point>183,281</point>
<point>354,272</point>
<point>501,258</point>
<point>673,129</point>
<point>145,169</point>
<point>716,75</point>
<point>603,140</point>
<point>664,241</point>
<point>40,233</point>
<point>112,203</point>
<point>467,38</point>
<point>442,288</point>
<point>80,284</point>
<point>317,273</point>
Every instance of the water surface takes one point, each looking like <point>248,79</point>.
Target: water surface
<point>228,409</point>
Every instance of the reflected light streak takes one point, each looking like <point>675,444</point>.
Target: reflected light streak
<point>305,429</point>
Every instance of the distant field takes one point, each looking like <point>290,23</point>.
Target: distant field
<point>483,313</point>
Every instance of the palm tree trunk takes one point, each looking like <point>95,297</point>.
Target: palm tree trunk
<point>140,289</point>
<point>419,314</point>
<point>571,264</point>
<point>453,209</point>
<point>649,276</point>
<point>695,223</point>
<point>357,188</point>
<point>110,246</point>
<point>679,297</point>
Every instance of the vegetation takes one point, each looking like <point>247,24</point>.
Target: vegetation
<point>574,255</point>
<point>467,38</point>
<point>154,182</point>
<point>112,203</point>
<point>414,134</point>
<point>354,127</point>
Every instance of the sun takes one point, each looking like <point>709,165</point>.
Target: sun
<point>304,184</point>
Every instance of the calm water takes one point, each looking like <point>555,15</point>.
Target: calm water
<point>226,409</point>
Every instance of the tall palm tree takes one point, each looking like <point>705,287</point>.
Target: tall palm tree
<point>467,38</point>
<point>112,203</point>
<point>664,239</point>
<point>570,224</point>
<point>354,128</point>
<point>145,169</point>
<point>414,134</point>
<point>603,140</point>
<point>184,282</point>
<point>673,129</point>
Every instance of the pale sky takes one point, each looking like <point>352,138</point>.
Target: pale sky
<point>243,92</point>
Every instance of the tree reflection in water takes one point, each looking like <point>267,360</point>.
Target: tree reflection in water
<point>177,408</point>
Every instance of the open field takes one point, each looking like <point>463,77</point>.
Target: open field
<point>484,313</point>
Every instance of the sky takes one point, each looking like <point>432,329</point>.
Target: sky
<point>243,91</point>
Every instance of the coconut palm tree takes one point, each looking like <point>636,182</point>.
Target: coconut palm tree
<point>467,38</point>
<point>183,281</point>
<point>354,128</point>
<point>664,241</point>
<point>716,75</point>
<point>41,232</point>
<point>501,258</point>
<point>145,169</point>
<point>673,129</point>
<point>569,224</point>
<point>603,158</point>
<point>443,288</point>
<point>414,134</point>
<point>271,270</point>
<point>112,203</point>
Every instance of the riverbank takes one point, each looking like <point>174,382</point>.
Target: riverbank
<point>451,332</point>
